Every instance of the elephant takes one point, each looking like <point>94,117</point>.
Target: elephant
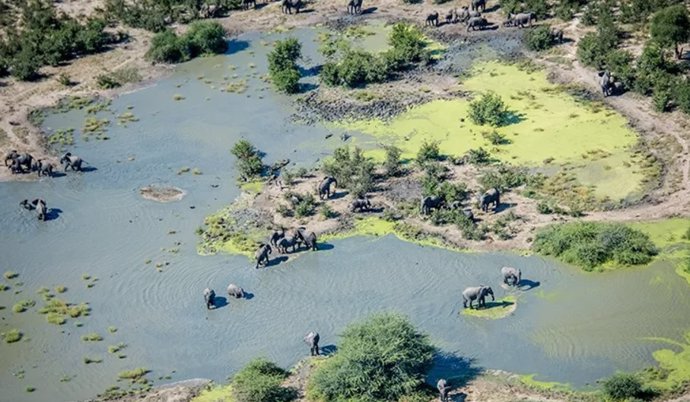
<point>361,204</point>
<point>209,11</point>
<point>473,13</point>
<point>288,5</point>
<point>43,168</point>
<point>463,15</point>
<point>492,196</point>
<point>429,203</point>
<point>209,298</point>
<point>41,208</point>
<point>71,161</point>
<point>288,242</point>
<point>26,204</point>
<point>432,19</point>
<point>443,389</point>
<point>309,239</point>
<point>477,4</point>
<point>312,339</point>
<point>522,19</point>
<point>468,214</point>
<point>476,22</point>
<point>511,276</point>
<point>262,254</point>
<point>606,83</point>
<point>449,16</point>
<point>325,187</point>
<point>246,4</point>
<point>276,236</point>
<point>10,157</point>
<point>478,293</point>
<point>557,35</point>
<point>354,6</point>
<point>235,291</point>
<point>19,162</point>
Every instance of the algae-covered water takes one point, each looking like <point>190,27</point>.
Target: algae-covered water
<point>147,280</point>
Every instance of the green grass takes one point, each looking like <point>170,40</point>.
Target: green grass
<point>60,289</point>
<point>55,318</point>
<point>133,375</point>
<point>215,394</point>
<point>23,305</point>
<point>92,337</point>
<point>12,336</point>
<point>10,275</point>
<point>57,311</point>
<point>494,310</point>
<point>112,329</point>
<point>116,348</point>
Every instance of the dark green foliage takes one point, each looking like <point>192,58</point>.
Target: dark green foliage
<point>489,109</point>
<point>206,38</point>
<point>260,381</point>
<point>154,15</point>
<point>382,358</point>
<point>682,96</point>
<point>594,48</point>
<point>661,95</point>
<point>408,44</point>
<point>538,7</point>
<point>249,159</point>
<point>505,177</point>
<point>671,27</point>
<point>359,68</point>
<point>429,151</point>
<point>622,387</point>
<point>590,244</point>
<point>105,81</point>
<point>306,206</point>
<point>539,38</point>
<point>637,11</point>
<point>620,63</point>
<point>478,156</point>
<point>167,47</point>
<point>352,170</point>
<point>392,163</point>
<point>203,38</point>
<point>566,9</point>
<point>588,51</point>
<point>282,65</point>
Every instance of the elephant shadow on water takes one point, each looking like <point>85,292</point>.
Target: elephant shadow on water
<point>248,295</point>
<point>488,305</point>
<point>526,284</point>
<point>324,246</point>
<point>276,261</point>
<point>328,350</point>
<point>53,213</point>
<point>219,302</point>
<point>87,169</point>
<point>456,370</point>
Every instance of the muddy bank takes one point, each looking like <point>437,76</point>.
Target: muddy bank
<point>162,194</point>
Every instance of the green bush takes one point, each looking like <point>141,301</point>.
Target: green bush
<point>539,38</point>
<point>306,206</point>
<point>392,163</point>
<point>505,177</point>
<point>260,381</point>
<point>590,244</point>
<point>206,38</point>
<point>620,63</point>
<point>594,48</point>
<point>12,336</point>
<point>282,65</point>
<point>637,11</point>
<point>478,156</point>
<point>408,44</point>
<point>167,47</point>
<point>622,387</point>
<point>671,27</point>
<point>382,358</point>
<point>250,164</point>
<point>489,109</point>
<point>352,170</point>
<point>203,38</point>
<point>429,151</point>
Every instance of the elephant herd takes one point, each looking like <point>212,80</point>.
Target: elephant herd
<point>490,198</point>
<point>511,277</point>
<point>285,242</point>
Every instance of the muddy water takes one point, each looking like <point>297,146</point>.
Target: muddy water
<point>572,327</point>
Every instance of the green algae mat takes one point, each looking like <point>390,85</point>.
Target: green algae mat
<point>550,128</point>
<point>493,310</point>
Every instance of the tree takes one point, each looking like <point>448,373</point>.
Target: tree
<point>671,27</point>
<point>489,109</point>
<point>622,386</point>
<point>260,381</point>
<point>392,163</point>
<point>382,358</point>
<point>282,65</point>
<point>352,170</point>
<point>539,38</point>
<point>249,159</point>
<point>167,47</point>
<point>207,37</point>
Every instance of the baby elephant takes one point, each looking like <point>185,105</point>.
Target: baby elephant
<point>235,291</point>
<point>262,255</point>
<point>41,208</point>
<point>209,298</point>
<point>312,339</point>
<point>511,276</point>
<point>361,204</point>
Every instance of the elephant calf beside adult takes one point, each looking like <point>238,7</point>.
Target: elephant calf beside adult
<point>511,276</point>
<point>43,168</point>
<point>235,291</point>
<point>478,293</point>
<point>72,161</point>
<point>262,254</point>
<point>209,298</point>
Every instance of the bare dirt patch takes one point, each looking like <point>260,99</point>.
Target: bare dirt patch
<point>162,194</point>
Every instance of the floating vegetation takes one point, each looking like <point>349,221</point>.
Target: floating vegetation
<point>86,277</point>
<point>23,305</point>
<point>12,336</point>
<point>112,349</point>
<point>36,117</point>
<point>98,106</point>
<point>236,87</point>
<point>73,103</point>
<point>78,324</point>
<point>197,172</point>
<point>10,275</point>
<point>93,125</point>
<point>57,311</point>
<point>62,137</point>
<point>135,375</point>
<point>60,289</point>
<point>66,378</point>
<point>178,97</point>
<point>112,329</point>
<point>30,389</point>
<point>184,169</point>
<point>43,290</point>
<point>55,318</point>
<point>92,360</point>
<point>92,337</point>
<point>4,287</point>
<point>126,117</point>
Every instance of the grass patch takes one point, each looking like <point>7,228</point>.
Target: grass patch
<point>133,375</point>
<point>12,336</point>
<point>57,311</point>
<point>126,117</point>
<point>23,305</point>
<point>92,360</point>
<point>10,275</point>
<point>494,310</point>
<point>178,97</point>
<point>215,394</point>
<point>4,287</point>
<point>92,337</point>
<point>112,349</point>
<point>60,289</point>
<point>62,137</point>
<point>55,318</point>
<point>112,329</point>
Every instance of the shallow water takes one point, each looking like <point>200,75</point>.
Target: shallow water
<point>573,327</point>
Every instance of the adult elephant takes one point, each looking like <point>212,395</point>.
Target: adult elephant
<point>557,35</point>
<point>71,161</point>
<point>522,19</point>
<point>309,239</point>
<point>511,276</point>
<point>443,389</point>
<point>478,4</point>
<point>10,157</point>
<point>361,204</point>
<point>43,168</point>
<point>41,208</point>
<point>262,254</point>
<point>354,6</point>
<point>276,236</point>
<point>478,293</point>
<point>325,187</point>
<point>247,4</point>
<point>209,298</point>
<point>288,5</point>
<point>492,196</point>
<point>463,15</point>
<point>432,202</point>
<point>606,83</point>
<point>21,163</point>
<point>432,19</point>
<point>312,339</point>
<point>235,291</point>
<point>288,242</point>
<point>475,23</point>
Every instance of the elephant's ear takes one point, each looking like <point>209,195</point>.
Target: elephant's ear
<point>35,202</point>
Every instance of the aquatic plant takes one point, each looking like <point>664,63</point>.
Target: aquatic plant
<point>4,287</point>
<point>260,381</point>
<point>10,275</point>
<point>55,318</point>
<point>488,109</point>
<point>112,329</point>
<point>116,348</point>
<point>178,97</point>
<point>126,117</point>
<point>23,305</point>
<point>92,337</point>
<point>62,137</point>
<point>60,289</point>
<point>30,389</point>
<point>282,65</point>
<point>93,125</point>
<point>12,336</point>
<point>133,375</point>
<point>92,360</point>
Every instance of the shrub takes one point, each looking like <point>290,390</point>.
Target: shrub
<point>327,212</point>
<point>10,275</point>
<point>206,38</point>
<point>92,337</point>
<point>505,177</point>
<point>167,47</point>
<point>489,109</point>
<point>392,163</point>
<point>282,65</point>
<point>352,170</point>
<point>429,151</point>
<point>260,381</point>
<point>23,305</point>
<point>478,156</point>
<point>249,160</point>
<point>539,38</point>
<point>408,44</point>
<point>382,358</point>
<point>306,206</point>
<point>330,74</point>
<point>620,63</point>
<point>359,68</point>
<point>105,81</point>
<point>133,375</point>
<point>670,27</point>
<point>622,386</point>
<point>593,48</point>
<point>590,244</point>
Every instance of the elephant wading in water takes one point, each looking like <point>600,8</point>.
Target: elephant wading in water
<point>361,204</point>
<point>443,389</point>
<point>312,339</point>
<point>41,208</point>
<point>262,255</point>
<point>511,276</point>
<point>492,196</point>
<point>475,23</point>
<point>325,187</point>
<point>432,19</point>
<point>71,161</point>
<point>429,203</point>
<point>478,293</point>
<point>354,7</point>
<point>288,5</point>
<point>235,291</point>
<point>209,298</point>
<point>43,168</point>
<point>309,239</point>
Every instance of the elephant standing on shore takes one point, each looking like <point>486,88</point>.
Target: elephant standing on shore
<point>492,196</point>
<point>477,23</point>
<point>288,5</point>
<point>209,298</point>
<point>20,162</point>
<point>71,161</point>
<point>312,339</point>
<point>522,19</point>
<point>511,276</point>
<point>288,242</point>
<point>432,19</point>
<point>557,35</point>
<point>43,168</point>
<point>429,203</point>
<point>325,187</point>
<point>463,15</point>
<point>477,4</point>
<point>361,204</point>
<point>262,255</point>
<point>606,83</point>
<point>247,4</point>
<point>309,239</point>
<point>235,291</point>
<point>41,208</point>
<point>275,237</point>
<point>443,389</point>
<point>354,6</point>
<point>478,293</point>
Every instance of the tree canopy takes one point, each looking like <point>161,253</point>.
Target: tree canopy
<point>282,65</point>
<point>671,27</point>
